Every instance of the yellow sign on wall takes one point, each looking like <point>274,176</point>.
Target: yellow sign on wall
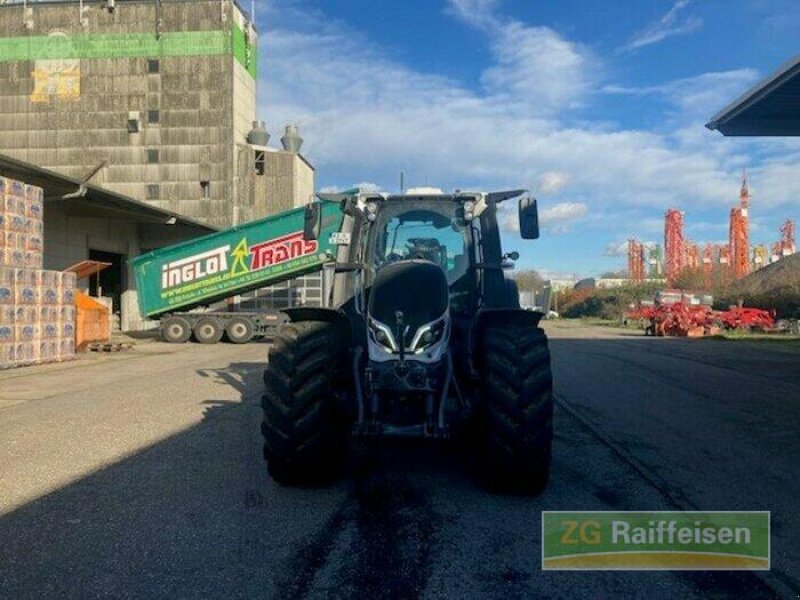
<point>58,78</point>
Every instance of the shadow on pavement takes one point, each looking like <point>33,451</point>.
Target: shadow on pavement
<point>195,515</point>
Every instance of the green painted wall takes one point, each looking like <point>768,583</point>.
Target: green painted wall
<point>246,54</point>
<point>118,45</point>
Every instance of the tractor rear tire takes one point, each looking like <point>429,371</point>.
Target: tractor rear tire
<point>518,405</point>
<point>305,434</point>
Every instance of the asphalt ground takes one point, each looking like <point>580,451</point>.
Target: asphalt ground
<point>140,475</point>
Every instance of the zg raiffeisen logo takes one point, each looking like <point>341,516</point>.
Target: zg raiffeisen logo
<point>655,540</point>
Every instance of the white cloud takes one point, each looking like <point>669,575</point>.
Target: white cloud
<point>672,23</point>
<point>477,12</point>
<point>534,66</point>
<point>551,182</point>
<point>695,96</point>
<point>365,116</point>
<point>538,67</point>
<point>554,219</point>
<point>558,218</point>
<point>616,249</point>
<point>620,248</point>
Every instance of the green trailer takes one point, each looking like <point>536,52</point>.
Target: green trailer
<point>174,282</point>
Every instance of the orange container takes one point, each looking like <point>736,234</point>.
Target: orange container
<point>92,323</point>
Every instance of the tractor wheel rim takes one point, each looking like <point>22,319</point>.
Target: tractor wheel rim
<point>239,330</point>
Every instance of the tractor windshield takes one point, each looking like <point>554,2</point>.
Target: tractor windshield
<point>431,231</point>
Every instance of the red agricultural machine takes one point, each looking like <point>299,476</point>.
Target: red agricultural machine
<point>675,313</point>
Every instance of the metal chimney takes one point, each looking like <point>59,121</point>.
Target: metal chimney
<point>258,135</point>
<point>291,140</point>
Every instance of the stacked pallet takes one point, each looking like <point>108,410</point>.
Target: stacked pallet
<point>37,306</point>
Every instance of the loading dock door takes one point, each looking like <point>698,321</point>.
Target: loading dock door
<point>111,281</point>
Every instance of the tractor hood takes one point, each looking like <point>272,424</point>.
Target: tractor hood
<point>417,288</point>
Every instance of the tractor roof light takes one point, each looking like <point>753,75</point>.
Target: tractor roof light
<point>469,208</point>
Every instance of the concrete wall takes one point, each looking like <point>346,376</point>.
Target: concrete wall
<point>287,181</point>
<point>71,113</point>
<point>304,180</point>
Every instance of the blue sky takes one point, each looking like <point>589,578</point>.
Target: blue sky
<point>597,107</point>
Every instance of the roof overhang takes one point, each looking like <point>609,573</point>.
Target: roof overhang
<point>769,108</point>
<point>80,199</point>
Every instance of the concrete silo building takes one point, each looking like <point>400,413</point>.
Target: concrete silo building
<point>152,99</point>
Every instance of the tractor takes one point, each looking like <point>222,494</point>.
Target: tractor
<point>422,335</point>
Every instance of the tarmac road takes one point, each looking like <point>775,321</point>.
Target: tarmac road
<point>141,476</point>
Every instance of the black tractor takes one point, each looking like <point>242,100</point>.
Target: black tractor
<point>423,336</point>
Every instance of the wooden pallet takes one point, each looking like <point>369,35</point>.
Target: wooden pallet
<point>109,346</point>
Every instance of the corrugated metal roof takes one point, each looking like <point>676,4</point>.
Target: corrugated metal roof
<point>769,108</point>
<point>88,200</point>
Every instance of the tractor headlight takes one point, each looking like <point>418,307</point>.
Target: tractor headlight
<point>382,335</point>
<point>428,335</point>
<point>372,210</point>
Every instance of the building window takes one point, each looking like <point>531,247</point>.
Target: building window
<point>153,191</point>
<point>153,65</point>
<point>153,117</point>
<point>152,156</point>
<point>205,189</point>
<point>261,161</point>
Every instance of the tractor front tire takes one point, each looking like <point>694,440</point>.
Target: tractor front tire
<point>518,409</point>
<point>305,434</point>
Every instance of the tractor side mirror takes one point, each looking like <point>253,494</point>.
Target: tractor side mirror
<point>528,218</point>
<point>312,224</point>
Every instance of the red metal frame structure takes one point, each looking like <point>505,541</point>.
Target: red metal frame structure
<point>635,261</point>
<point>738,240</point>
<point>674,256</point>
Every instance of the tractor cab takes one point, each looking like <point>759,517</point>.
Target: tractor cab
<point>459,232</point>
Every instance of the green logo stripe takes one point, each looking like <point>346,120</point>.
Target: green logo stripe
<point>120,45</point>
<point>655,539</point>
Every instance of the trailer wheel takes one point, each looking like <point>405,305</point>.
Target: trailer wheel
<point>240,330</point>
<point>518,409</point>
<point>208,330</point>
<point>305,434</point>
<point>175,330</point>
